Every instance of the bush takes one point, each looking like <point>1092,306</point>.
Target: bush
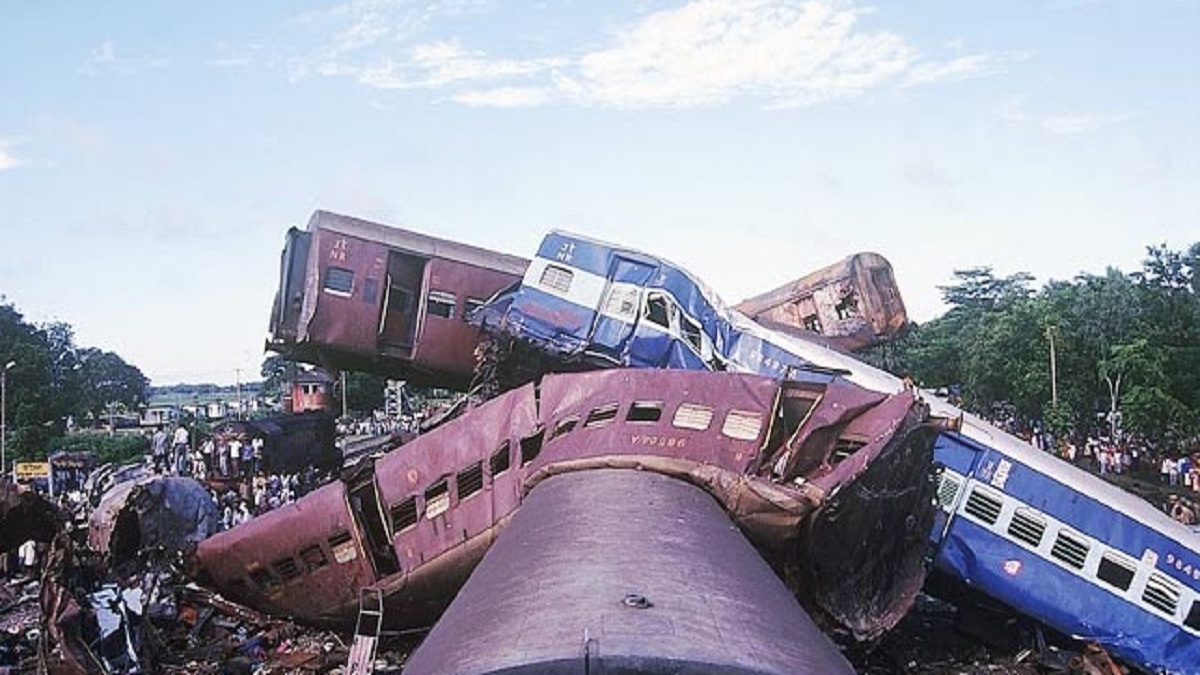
<point>116,449</point>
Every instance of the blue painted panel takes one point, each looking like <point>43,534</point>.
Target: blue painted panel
<point>1044,591</point>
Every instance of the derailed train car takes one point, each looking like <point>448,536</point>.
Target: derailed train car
<point>853,303</point>
<point>797,464</point>
<point>359,295</point>
<point>1016,525</point>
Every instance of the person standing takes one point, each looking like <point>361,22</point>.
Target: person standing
<point>179,450</point>
<point>158,445</point>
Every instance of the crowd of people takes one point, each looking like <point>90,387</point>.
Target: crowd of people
<point>233,469</point>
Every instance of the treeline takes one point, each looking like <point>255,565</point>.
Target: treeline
<point>1124,349</point>
<point>50,379</point>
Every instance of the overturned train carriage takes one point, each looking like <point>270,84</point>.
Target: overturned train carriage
<point>772,454</point>
<point>359,295</point>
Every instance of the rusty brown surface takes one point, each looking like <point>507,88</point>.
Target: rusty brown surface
<point>863,284</point>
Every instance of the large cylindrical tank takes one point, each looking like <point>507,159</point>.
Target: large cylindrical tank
<point>624,571</point>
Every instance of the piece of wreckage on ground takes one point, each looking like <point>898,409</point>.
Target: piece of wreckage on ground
<point>113,597</point>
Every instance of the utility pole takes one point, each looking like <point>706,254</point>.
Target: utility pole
<point>4,419</point>
<point>1050,333</point>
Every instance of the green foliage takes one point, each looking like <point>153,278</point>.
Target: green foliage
<point>52,379</point>
<point>1125,342</point>
<point>117,449</point>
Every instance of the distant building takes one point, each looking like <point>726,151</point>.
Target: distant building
<point>158,415</point>
<point>310,390</point>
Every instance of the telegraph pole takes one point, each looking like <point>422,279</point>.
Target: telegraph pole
<point>1050,331</point>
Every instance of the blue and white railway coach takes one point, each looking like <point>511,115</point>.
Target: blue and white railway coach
<point>1020,526</point>
<point>607,306</point>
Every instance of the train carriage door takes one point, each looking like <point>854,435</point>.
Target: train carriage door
<point>401,300</point>
<point>368,515</point>
<point>620,306</point>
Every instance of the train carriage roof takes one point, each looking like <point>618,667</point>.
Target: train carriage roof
<point>414,242</point>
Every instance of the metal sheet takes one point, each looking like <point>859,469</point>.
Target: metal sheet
<point>655,581</point>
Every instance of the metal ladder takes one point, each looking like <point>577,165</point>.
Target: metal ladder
<point>366,632</point>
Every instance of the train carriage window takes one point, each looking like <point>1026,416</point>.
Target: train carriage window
<point>338,281</point>
<point>286,568</point>
<point>844,447</point>
<point>404,514</point>
<point>1027,526</point>
<point>601,416</point>
<point>1116,570</point>
<point>692,416</point>
<point>501,459</point>
<point>984,506</point>
<point>948,490</point>
<point>847,308</point>
<point>691,333</point>
<point>531,447</point>
<point>313,558</point>
<point>1192,620</point>
<point>343,547</point>
<point>470,481</point>
<point>812,322</point>
<point>564,427</point>
<point>265,580</point>
<point>437,498</point>
<point>644,412</point>
<point>556,278</point>
<point>622,302</point>
<point>742,425</point>
<point>1070,549</point>
<point>1162,593</point>
<point>441,304</point>
<point>659,310</point>
<point>370,291</point>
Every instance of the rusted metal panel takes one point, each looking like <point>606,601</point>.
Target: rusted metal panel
<point>693,416</point>
<point>308,534</point>
<point>655,581</point>
<point>347,305</point>
<point>411,471</point>
<point>853,303</point>
<point>447,343</point>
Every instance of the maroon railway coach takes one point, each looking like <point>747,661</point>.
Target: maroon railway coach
<point>358,295</point>
<point>413,523</point>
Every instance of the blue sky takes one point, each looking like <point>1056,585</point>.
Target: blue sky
<point>152,155</point>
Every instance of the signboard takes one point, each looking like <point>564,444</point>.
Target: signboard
<point>31,470</point>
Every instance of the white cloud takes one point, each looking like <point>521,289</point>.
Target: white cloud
<point>504,97</point>
<point>106,58</point>
<point>105,54</point>
<point>8,160</point>
<point>1081,123</point>
<point>783,53</point>
<point>961,68</point>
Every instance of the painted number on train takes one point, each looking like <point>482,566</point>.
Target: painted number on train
<point>658,441</point>
<point>566,252</point>
<point>337,252</point>
<point>1187,567</point>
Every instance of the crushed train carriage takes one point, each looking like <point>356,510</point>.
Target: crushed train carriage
<point>413,523</point>
<point>1016,525</point>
